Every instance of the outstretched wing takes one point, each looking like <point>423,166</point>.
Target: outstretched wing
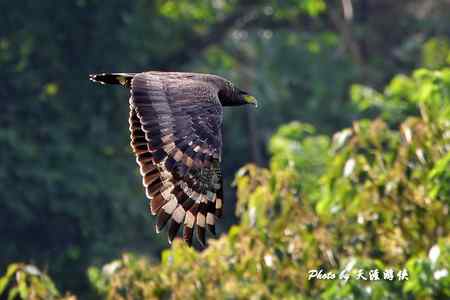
<point>175,126</point>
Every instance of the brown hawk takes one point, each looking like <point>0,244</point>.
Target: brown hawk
<point>175,124</point>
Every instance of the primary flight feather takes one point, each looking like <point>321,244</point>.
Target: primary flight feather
<point>176,134</point>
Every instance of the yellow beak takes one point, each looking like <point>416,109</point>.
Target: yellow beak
<point>251,100</point>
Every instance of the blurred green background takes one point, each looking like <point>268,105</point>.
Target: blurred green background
<point>346,161</point>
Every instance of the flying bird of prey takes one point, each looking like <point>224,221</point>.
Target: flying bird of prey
<point>176,134</point>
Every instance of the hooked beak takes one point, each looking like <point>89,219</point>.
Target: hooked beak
<point>251,100</point>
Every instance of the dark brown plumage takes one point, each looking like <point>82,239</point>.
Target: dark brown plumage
<point>175,124</point>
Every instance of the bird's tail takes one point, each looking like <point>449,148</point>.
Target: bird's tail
<point>123,79</point>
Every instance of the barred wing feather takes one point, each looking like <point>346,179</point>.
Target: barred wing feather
<point>176,136</point>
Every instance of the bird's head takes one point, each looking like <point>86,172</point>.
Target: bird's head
<point>232,96</point>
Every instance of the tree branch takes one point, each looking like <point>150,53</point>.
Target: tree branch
<point>196,44</point>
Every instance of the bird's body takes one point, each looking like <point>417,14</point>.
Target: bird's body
<point>175,125</point>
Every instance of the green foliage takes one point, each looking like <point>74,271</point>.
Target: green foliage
<point>198,11</point>
<point>375,198</point>
<point>403,94</point>
<point>436,53</point>
<point>292,8</point>
<point>26,282</point>
<point>433,279</point>
<point>295,146</point>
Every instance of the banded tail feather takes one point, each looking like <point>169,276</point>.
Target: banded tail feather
<point>123,79</point>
